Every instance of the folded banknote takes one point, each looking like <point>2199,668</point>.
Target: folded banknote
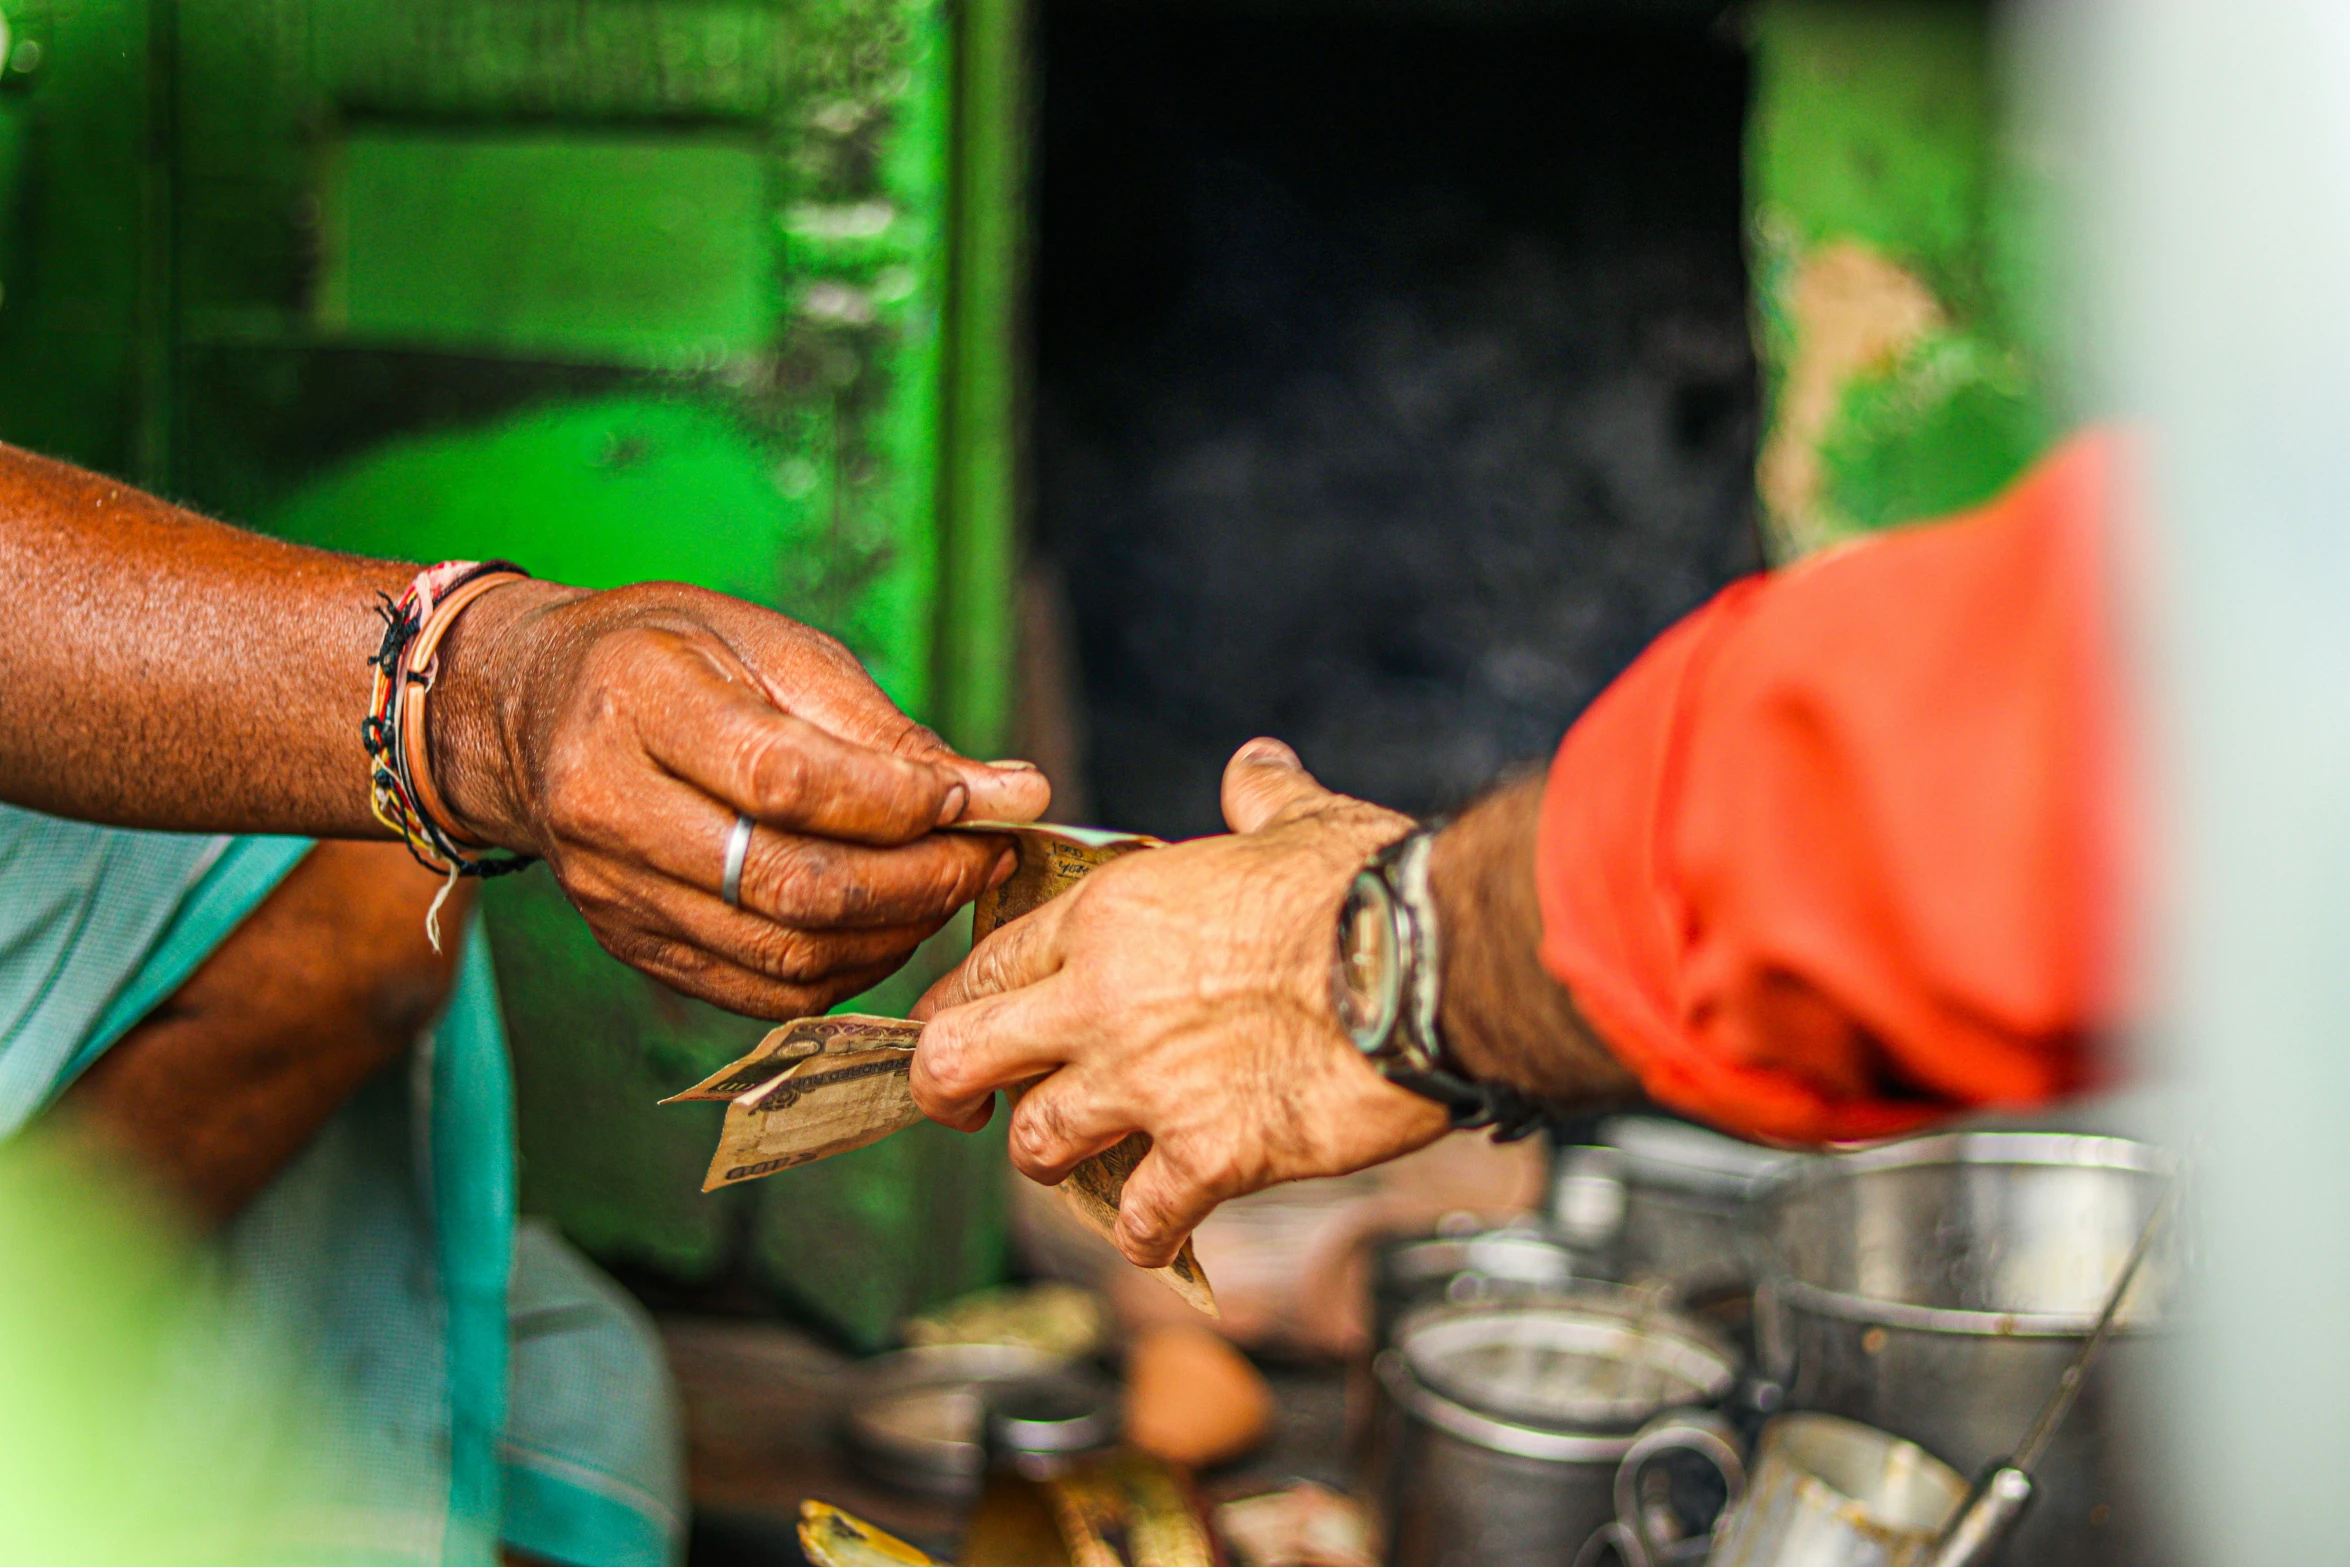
<point>818,1086</point>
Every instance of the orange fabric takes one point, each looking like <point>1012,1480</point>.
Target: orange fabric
<point>1837,855</point>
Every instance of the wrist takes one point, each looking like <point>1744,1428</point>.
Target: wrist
<point>1387,982</point>
<point>490,665</point>
<point>1505,1018</point>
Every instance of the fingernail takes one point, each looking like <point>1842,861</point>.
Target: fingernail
<point>1013,764</point>
<point>1005,864</point>
<point>952,807</point>
<point>1268,751</point>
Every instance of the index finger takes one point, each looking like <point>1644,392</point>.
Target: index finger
<point>1013,956</point>
<point>969,1052</point>
<point>1160,1207</point>
<point>726,739</point>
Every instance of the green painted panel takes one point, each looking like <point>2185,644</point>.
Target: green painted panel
<point>82,304</point>
<point>595,1047</point>
<point>926,1198</point>
<point>619,248</point>
<point>1896,290</point>
<point>624,289</point>
<point>601,492</point>
<point>980,562</point>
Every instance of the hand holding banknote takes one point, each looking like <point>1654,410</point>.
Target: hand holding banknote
<point>818,1086</point>
<point>1184,995</point>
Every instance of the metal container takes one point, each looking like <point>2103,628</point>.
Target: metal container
<point>919,1418</point>
<point>1664,1200</point>
<point>1484,1266</point>
<point>1938,1288</point>
<point>1508,1422</point>
<point>1829,1492</point>
<point>1040,1428</point>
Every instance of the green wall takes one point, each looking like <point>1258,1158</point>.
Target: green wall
<point>1896,273</point>
<point>707,290</point>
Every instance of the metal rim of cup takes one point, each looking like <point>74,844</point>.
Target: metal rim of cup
<point>1490,1431</point>
<point>937,1466</point>
<point>1419,1260</point>
<point>1613,1305</point>
<point>1943,1319</point>
<point>2073,1150</point>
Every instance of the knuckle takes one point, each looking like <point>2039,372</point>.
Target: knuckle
<point>778,772</point>
<point>800,880</point>
<point>795,956</point>
<point>825,645</point>
<point>621,652</point>
<point>916,741</point>
<point>944,1064</point>
<point>1210,1167</point>
<point>1037,1134</point>
<point>1143,1221</point>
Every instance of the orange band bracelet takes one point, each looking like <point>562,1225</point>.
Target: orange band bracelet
<point>420,668</point>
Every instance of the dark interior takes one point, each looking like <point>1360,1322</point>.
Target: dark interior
<point>1393,380</point>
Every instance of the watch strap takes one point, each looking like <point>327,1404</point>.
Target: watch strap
<point>1415,1056</point>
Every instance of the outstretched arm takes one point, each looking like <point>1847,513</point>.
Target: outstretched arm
<point>158,669</point>
<point>1186,992</point>
<point>1838,856</point>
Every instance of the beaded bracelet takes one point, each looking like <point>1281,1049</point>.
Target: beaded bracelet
<point>399,766</point>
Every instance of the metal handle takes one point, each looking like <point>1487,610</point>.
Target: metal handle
<point>1612,1539</point>
<point>1991,1512</point>
<point>1639,1533</point>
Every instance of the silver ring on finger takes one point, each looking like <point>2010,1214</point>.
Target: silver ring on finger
<point>738,850</point>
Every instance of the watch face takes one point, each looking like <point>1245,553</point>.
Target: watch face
<point>1366,984</point>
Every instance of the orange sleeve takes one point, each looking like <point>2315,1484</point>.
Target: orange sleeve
<point>1838,855</point>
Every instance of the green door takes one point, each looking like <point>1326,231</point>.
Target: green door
<point>704,290</point>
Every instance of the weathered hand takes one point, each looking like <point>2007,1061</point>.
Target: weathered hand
<point>617,735</point>
<point>1184,993</point>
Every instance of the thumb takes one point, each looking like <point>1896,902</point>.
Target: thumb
<point>1265,782</point>
<point>1000,791</point>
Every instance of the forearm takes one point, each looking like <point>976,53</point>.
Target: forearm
<point>324,985</point>
<point>1504,1016</point>
<point>163,670</point>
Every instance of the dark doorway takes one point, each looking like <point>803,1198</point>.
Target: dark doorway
<point>1394,383</point>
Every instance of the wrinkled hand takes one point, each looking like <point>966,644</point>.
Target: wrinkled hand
<point>1185,993</point>
<point>617,734</point>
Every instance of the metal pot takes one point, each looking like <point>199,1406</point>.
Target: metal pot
<point>919,1417</point>
<point>1938,1288</point>
<point>1485,1266</point>
<point>1665,1200</point>
<point>1508,1422</point>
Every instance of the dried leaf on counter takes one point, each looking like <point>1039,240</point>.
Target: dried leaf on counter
<point>832,1538</point>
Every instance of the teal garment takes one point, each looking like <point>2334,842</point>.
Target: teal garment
<point>385,1258</point>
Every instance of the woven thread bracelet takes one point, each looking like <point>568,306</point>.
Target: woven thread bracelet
<point>399,765</point>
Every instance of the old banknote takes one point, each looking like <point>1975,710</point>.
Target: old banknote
<point>823,1085</point>
<point>795,1042</point>
<point>815,1087</point>
<point>1052,860</point>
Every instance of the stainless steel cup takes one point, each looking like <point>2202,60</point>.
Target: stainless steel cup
<point>1659,1199</point>
<point>1411,1271</point>
<point>1829,1492</point>
<point>1508,1423</point>
<point>1938,1288</point>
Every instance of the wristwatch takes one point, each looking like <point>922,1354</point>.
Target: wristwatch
<point>1387,983</point>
